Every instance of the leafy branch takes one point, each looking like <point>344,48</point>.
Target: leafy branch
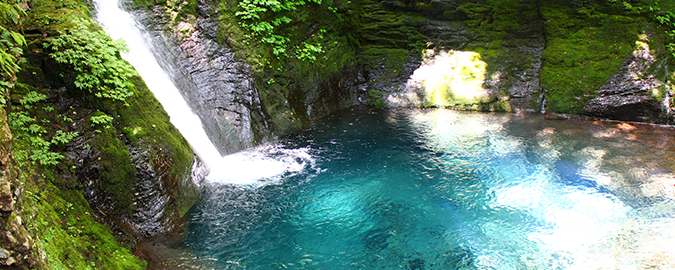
<point>11,41</point>
<point>96,59</point>
<point>265,19</point>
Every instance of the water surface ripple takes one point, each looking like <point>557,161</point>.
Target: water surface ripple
<point>438,189</point>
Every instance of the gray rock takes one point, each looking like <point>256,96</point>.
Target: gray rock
<point>10,261</point>
<point>218,87</point>
<point>4,254</point>
<point>6,199</point>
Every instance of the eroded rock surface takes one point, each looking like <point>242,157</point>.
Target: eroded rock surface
<point>218,86</point>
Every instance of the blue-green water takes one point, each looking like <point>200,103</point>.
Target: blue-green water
<point>437,189</point>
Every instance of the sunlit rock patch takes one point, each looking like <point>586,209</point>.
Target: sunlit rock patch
<point>450,79</point>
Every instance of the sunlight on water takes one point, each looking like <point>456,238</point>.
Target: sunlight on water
<point>580,228</point>
<point>437,189</point>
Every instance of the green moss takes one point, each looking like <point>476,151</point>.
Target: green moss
<point>375,99</point>
<point>379,57</point>
<point>67,232</point>
<point>145,123</point>
<point>501,106</point>
<point>382,26</point>
<point>116,172</point>
<point>585,47</point>
<point>52,16</point>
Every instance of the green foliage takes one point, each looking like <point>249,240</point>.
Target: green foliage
<point>31,98</point>
<point>265,20</point>
<point>95,58</point>
<point>665,16</point>
<point>102,119</point>
<point>62,137</point>
<point>34,142</point>
<point>11,41</point>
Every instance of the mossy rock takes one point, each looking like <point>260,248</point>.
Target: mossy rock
<point>585,47</point>
<point>116,172</point>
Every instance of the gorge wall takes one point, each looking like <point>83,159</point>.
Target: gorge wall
<point>126,174</point>
<point>589,58</point>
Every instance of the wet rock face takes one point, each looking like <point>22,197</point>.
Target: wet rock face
<point>6,196</point>
<point>218,87</point>
<point>160,196</point>
<point>158,208</point>
<point>627,95</point>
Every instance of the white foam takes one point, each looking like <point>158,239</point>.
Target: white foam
<point>261,165</point>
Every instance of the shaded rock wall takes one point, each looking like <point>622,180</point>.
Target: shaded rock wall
<point>565,57</point>
<point>218,86</point>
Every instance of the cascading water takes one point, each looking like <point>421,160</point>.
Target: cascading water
<point>244,167</point>
<point>415,189</point>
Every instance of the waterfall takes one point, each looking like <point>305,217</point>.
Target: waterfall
<point>120,25</point>
<point>247,167</point>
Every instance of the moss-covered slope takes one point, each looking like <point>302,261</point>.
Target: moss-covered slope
<point>87,176</point>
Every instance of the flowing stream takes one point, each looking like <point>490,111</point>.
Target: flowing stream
<point>427,189</point>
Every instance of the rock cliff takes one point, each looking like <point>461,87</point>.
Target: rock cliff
<point>585,58</point>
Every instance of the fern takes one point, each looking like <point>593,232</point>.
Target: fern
<point>96,59</point>
<point>101,119</point>
<point>10,45</point>
<point>35,137</point>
